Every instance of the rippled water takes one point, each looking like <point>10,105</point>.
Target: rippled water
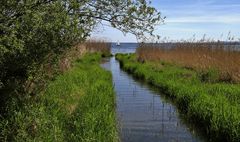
<point>143,115</point>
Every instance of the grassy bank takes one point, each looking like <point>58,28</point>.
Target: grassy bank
<point>213,106</point>
<point>201,56</point>
<point>77,106</point>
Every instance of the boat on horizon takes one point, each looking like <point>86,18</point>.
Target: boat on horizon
<point>118,43</point>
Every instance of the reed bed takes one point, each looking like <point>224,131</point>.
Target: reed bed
<point>101,46</point>
<point>201,56</point>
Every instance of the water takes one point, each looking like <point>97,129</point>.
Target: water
<point>124,48</point>
<point>142,113</point>
<point>131,47</point>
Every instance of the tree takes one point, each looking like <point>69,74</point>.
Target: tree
<point>32,29</point>
<point>129,16</point>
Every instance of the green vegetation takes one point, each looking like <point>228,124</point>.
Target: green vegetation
<point>78,105</point>
<point>215,106</point>
<point>33,32</point>
<point>200,55</point>
<point>39,39</point>
<point>35,37</point>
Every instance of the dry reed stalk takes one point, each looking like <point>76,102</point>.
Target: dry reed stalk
<point>98,46</point>
<point>200,56</point>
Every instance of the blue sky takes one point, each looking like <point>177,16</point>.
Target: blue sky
<point>186,18</point>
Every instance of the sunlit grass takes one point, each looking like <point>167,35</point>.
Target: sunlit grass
<point>78,105</point>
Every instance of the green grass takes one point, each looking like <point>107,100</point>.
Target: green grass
<point>215,106</point>
<point>78,105</point>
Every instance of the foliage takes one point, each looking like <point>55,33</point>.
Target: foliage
<point>77,106</point>
<point>31,31</point>
<point>213,106</point>
<point>35,32</point>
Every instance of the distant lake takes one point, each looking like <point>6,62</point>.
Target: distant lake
<point>131,47</point>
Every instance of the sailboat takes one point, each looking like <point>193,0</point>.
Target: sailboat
<point>118,43</point>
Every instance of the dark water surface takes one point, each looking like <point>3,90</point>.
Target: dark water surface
<point>142,113</point>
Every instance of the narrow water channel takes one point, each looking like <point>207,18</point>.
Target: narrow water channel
<point>142,113</point>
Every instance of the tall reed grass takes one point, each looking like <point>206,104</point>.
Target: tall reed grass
<point>202,56</point>
<point>99,46</point>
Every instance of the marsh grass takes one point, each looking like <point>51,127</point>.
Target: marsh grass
<point>99,46</point>
<point>213,106</point>
<point>38,75</point>
<point>204,57</point>
<point>78,105</point>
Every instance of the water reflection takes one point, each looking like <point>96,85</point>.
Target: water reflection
<point>142,114</point>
